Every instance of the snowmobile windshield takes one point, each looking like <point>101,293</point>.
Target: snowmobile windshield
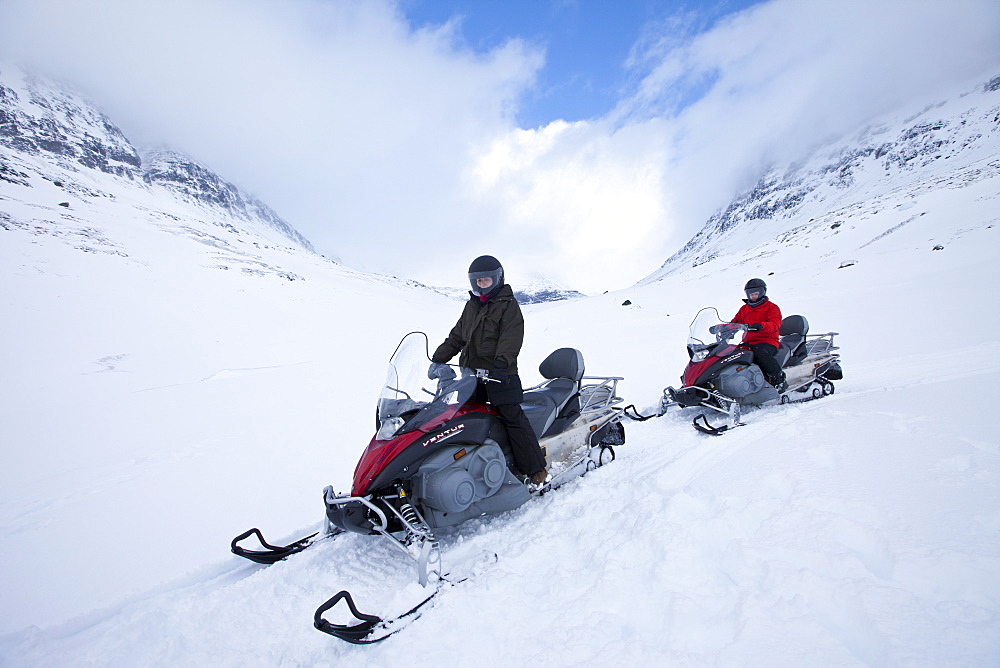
<point>409,399</point>
<point>708,330</point>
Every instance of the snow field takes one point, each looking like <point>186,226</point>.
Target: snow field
<point>155,405</point>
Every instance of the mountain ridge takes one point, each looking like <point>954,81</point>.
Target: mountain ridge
<point>940,146</point>
<point>49,130</point>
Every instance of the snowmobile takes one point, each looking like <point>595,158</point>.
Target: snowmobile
<point>721,375</point>
<point>440,458</point>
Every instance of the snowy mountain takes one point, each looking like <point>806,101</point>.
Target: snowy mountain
<point>56,147</point>
<point>538,289</point>
<point>166,387</point>
<point>838,191</point>
<point>40,117</point>
<point>197,183</point>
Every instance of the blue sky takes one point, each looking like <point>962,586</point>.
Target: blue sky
<point>587,43</point>
<point>586,141</point>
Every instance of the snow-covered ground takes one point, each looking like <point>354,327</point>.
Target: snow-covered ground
<point>155,404</point>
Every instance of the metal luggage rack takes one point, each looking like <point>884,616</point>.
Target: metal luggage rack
<point>600,395</point>
<point>815,343</point>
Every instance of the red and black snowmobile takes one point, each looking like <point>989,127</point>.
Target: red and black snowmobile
<point>723,377</point>
<point>440,458</point>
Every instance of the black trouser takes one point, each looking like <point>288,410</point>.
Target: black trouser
<point>528,457</point>
<point>763,355</point>
<point>524,446</point>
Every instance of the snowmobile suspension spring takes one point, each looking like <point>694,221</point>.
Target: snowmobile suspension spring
<point>412,518</point>
<point>409,514</point>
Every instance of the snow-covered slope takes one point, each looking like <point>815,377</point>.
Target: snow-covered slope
<point>128,288</point>
<point>154,406</point>
<point>836,200</point>
<point>57,148</point>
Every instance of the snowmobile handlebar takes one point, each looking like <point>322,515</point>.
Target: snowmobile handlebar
<point>727,328</point>
<point>484,376</point>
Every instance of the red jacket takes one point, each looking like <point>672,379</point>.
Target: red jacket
<point>767,314</point>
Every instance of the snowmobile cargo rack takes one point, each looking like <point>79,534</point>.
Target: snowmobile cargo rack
<point>599,395</point>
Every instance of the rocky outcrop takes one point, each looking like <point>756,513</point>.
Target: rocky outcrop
<point>44,119</point>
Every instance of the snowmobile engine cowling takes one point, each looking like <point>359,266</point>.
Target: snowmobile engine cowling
<point>735,381</point>
<point>451,481</point>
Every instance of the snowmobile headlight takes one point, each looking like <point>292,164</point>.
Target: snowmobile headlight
<point>388,427</point>
<point>697,355</point>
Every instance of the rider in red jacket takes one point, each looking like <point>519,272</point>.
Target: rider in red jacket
<point>763,320</point>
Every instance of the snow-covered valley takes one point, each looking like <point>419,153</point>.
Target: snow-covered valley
<point>171,382</point>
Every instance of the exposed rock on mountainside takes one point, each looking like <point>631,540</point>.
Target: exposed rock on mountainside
<point>42,118</point>
<point>48,130</point>
<point>198,183</point>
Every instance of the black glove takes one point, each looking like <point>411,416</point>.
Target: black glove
<point>499,371</point>
<point>756,327</point>
<point>440,372</point>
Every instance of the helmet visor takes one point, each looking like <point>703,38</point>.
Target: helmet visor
<point>485,282</point>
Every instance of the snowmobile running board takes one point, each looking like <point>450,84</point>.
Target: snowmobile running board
<point>592,459</point>
<point>273,553</point>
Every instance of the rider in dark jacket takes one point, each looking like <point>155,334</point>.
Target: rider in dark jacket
<point>488,336</point>
<point>763,320</point>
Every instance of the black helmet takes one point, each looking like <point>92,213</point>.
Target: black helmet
<point>755,285</point>
<point>485,266</point>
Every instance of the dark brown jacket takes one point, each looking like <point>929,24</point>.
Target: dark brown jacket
<point>486,333</point>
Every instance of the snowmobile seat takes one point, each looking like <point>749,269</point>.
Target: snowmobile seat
<point>540,410</point>
<point>793,332</point>
<point>553,399</point>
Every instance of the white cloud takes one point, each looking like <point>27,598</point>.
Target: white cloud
<point>577,201</point>
<point>709,114</point>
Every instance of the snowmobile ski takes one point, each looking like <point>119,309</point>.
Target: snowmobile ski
<point>272,553</point>
<point>358,634</point>
<point>636,416</point>
<point>701,424</point>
